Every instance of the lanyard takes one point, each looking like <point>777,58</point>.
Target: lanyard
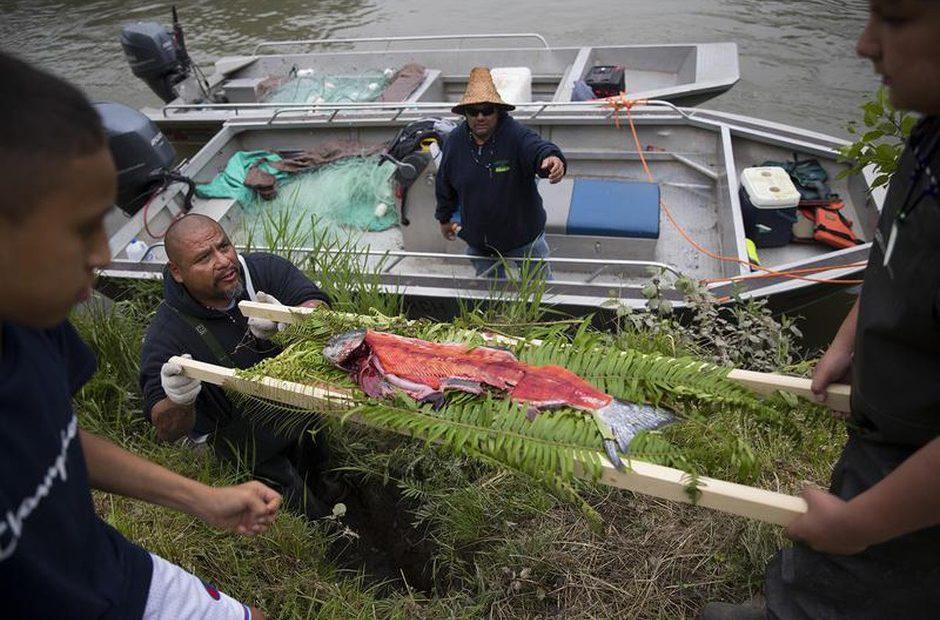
<point>922,170</point>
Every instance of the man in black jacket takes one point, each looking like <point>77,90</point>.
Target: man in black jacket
<point>487,174</point>
<point>203,282</point>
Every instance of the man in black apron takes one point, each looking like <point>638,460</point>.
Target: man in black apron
<point>871,547</point>
<point>203,283</point>
<point>879,523</point>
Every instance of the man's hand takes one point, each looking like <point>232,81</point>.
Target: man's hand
<point>555,167</point>
<point>247,508</point>
<point>828,525</point>
<point>450,230</point>
<point>263,329</point>
<point>835,366</point>
<point>179,388</point>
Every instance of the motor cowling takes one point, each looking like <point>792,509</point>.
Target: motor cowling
<point>155,57</point>
<point>142,154</point>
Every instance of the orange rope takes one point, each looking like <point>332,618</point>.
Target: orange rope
<point>756,276</point>
<point>621,103</point>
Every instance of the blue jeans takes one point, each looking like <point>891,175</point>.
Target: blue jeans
<point>492,267</point>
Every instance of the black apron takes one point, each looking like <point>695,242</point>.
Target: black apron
<point>895,411</point>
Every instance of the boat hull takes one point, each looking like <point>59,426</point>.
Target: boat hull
<point>695,157</point>
<point>682,73</point>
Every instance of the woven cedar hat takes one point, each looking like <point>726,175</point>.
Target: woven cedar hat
<point>480,89</point>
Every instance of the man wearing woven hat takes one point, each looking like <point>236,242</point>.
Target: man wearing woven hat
<point>487,176</point>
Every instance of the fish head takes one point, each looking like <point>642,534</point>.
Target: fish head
<point>342,348</point>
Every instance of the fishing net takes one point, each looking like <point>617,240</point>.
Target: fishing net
<point>354,192</point>
<point>230,183</point>
<point>366,86</point>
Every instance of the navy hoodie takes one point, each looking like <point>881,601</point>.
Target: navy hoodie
<point>170,335</point>
<point>493,185</point>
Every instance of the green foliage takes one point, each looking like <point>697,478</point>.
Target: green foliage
<point>743,334</point>
<point>881,142</point>
<point>336,264</point>
<point>514,300</point>
<point>338,267</point>
<point>503,548</point>
<point>110,401</point>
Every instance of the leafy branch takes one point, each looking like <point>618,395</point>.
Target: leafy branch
<point>881,144</point>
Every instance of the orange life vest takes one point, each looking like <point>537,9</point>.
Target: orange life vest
<point>831,227</point>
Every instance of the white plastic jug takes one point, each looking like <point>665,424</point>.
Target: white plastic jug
<point>136,250</point>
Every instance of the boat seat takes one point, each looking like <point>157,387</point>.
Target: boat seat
<point>613,208</point>
<point>243,90</point>
<point>557,202</point>
<point>606,208</point>
<point>407,82</point>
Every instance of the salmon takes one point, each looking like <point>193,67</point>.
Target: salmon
<point>384,363</point>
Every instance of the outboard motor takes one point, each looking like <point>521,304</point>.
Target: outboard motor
<point>142,155</point>
<point>157,56</point>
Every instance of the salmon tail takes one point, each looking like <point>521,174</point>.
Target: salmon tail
<point>610,447</point>
<point>620,422</point>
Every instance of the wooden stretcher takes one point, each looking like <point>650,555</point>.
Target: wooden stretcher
<point>641,477</point>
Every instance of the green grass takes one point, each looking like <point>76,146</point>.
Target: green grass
<point>503,547</point>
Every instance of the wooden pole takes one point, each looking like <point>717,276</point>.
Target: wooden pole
<point>640,477</point>
<point>838,395</point>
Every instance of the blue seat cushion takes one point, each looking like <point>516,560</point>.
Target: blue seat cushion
<point>614,209</point>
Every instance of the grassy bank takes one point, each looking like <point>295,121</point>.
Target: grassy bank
<point>490,544</point>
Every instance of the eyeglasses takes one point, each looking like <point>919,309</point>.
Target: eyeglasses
<point>485,111</point>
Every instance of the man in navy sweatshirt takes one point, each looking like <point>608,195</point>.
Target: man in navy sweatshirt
<point>488,175</point>
<point>58,558</point>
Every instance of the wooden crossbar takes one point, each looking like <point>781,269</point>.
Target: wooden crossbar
<point>838,395</point>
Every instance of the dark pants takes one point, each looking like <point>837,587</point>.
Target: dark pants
<point>896,579</point>
<point>293,466</point>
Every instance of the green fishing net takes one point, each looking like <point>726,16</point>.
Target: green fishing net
<point>230,183</point>
<point>366,86</point>
<point>353,192</point>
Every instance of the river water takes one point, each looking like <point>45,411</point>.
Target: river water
<point>797,57</point>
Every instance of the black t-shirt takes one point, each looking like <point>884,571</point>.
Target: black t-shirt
<point>58,559</point>
<point>170,335</point>
<point>896,368</point>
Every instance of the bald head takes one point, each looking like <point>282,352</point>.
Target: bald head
<point>203,260</point>
<point>184,230</point>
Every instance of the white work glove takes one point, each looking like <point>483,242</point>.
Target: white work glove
<point>263,329</point>
<point>179,388</point>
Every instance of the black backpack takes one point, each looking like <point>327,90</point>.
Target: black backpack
<point>410,137</point>
<point>406,151</point>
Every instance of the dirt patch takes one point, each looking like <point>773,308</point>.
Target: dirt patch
<point>376,536</point>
